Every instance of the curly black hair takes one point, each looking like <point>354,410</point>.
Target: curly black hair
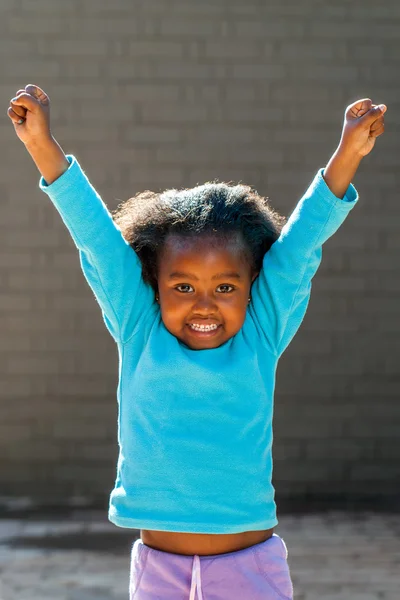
<point>215,208</point>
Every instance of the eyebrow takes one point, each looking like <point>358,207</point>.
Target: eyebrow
<point>180,275</point>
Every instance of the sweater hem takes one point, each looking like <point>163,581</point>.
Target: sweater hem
<point>192,527</point>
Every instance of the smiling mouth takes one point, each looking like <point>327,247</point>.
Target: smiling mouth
<point>204,331</point>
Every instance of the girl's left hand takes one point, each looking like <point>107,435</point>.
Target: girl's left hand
<point>363,123</point>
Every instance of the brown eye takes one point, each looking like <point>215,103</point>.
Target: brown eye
<point>183,285</point>
<point>227,286</point>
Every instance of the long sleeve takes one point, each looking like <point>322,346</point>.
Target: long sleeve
<point>281,292</point>
<point>109,264</point>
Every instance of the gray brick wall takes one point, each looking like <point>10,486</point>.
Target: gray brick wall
<point>167,94</point>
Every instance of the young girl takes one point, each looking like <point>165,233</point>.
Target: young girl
<point>202,289</point>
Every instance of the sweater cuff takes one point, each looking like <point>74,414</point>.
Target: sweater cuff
<point>320,188</point>
<point>64,180</point>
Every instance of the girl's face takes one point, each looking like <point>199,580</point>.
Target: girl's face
<point>204,288</point>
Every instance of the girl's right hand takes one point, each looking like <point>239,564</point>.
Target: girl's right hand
<point>29,112</point>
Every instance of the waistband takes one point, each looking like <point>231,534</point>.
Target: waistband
<point>196,581</point>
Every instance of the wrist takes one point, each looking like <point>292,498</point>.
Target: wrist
<point>42,144</point>
<point>347,154</point>
<point>49,158</point>
<point>340,170</point>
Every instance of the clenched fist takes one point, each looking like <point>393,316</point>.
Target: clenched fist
<point>30,113</point>
<point>363,123</point>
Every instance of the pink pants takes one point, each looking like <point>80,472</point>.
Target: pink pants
<point>260,572</point>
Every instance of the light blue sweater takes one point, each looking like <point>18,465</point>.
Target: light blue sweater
<point>195,426</point>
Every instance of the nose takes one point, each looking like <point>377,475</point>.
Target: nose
<point>205,303</point>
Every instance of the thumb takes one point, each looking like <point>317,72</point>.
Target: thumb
<point>374,113</point>
<point>37,92</point>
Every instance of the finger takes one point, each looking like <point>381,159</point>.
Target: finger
<point>377,124</point>
<point>19,110</point>
<point>360,108</point>
<point>377,132</point>
<point>37,92</point>
<point>365,106</point>
<point>26,101</point>
<point>16,119</point>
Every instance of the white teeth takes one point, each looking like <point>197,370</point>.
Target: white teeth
<point>203,327</point>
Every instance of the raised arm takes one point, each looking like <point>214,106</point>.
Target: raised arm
<point>281,292</point>
<point>110,265</point>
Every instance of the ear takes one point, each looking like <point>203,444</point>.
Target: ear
<point>254,276</point>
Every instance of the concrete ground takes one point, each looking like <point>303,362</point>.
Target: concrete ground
<point>81,556</point>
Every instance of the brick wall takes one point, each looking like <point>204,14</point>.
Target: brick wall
<point>167,94</point>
